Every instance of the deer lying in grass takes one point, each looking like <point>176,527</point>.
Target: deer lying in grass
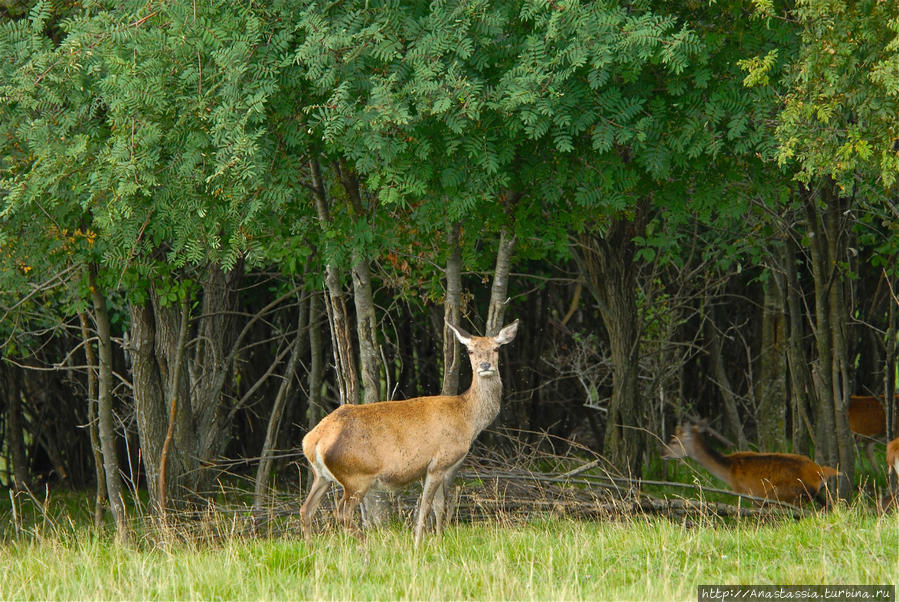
<point>867,421</point>
<point>390,444</point>
<point>785,477</point>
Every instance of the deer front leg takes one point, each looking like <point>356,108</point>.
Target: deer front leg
<point>445,500</point>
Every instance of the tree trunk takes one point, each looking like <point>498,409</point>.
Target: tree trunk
<point>890,367</point>
<point>315,408</point>
<point>772,392</point>
<point>284,392</point>
<point>335,304</point>
<point>363,299</point>
<point>173,395</point>
<point>15,436</point>
<point>610,275</point>
<point>831,376</point>
<point>500,288</point>
<point>202,422</point>
<point>104,409</point>
<point>375,506</point>
<point>452,312</point>
<point>723,381</point>
<point>99,475</point>
<point>149,398</point>
<point>212,370</point>
<point>367,331</point>
<point>800,379</point>
<point>840,361</point>
<point>821,372</point>
<point>622,439</point>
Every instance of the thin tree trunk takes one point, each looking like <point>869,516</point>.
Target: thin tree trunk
<point>822,375</point>
<point>500,288</point>
<point>889,370</point>
<point>284,392</point>
<point>91,359</point>
<point>173,408</point>
<point>315,410</point>
<point>363,299</point>
<point>14,433</point>
<point>840,360</point>
<point>723,381</point>
<point>104,403</point>
<point>375,506</point>
<point>452,312</point>
<point>335,303</point>
<point>800,379</point>
<point>772,392</point>
<point>366,329</point>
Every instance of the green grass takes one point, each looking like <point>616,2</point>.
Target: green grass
<point>539,559</point>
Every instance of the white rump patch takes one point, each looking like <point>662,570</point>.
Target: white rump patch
<point>320,467</point>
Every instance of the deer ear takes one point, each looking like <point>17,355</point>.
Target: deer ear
<point>463,336</point>
<point>507,334</point>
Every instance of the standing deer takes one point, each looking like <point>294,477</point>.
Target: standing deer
<point>784,477</point>
<point>390,444</point>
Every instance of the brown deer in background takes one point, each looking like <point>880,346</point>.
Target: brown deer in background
<point>867,421</point>
<point>390,444</point>
<point>785,477</point>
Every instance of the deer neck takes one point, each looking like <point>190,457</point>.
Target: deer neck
<point>713,461</point>
<point>482,401</point>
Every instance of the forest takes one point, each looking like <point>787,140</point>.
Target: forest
<point>219,221</point>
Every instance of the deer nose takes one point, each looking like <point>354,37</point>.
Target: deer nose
<point>485,366</point>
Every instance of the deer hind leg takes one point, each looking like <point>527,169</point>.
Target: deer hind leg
<point>313,499</point>
<point>353,492</point>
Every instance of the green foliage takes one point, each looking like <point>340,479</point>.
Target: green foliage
<point>154,124</point>
<point>178,134</point>
<point>840,114</point>
<point>181,134</point>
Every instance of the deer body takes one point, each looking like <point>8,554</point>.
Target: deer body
<point>866,416</point>
<point>867,421</point>
<point>390,444</point>
<point>893,456</point>
<point>784,477</point>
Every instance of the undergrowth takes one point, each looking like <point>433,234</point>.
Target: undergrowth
<point>526,557</point>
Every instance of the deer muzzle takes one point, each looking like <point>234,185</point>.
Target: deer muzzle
<point>486,369</point>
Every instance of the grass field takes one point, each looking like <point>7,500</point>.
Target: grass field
<point>529,559</point>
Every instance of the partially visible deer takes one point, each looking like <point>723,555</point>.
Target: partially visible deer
<point>867,421</point>
<point>785,477</point>
<point>892,463</point>
<point>390,444</point>
<point>893,456</point>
